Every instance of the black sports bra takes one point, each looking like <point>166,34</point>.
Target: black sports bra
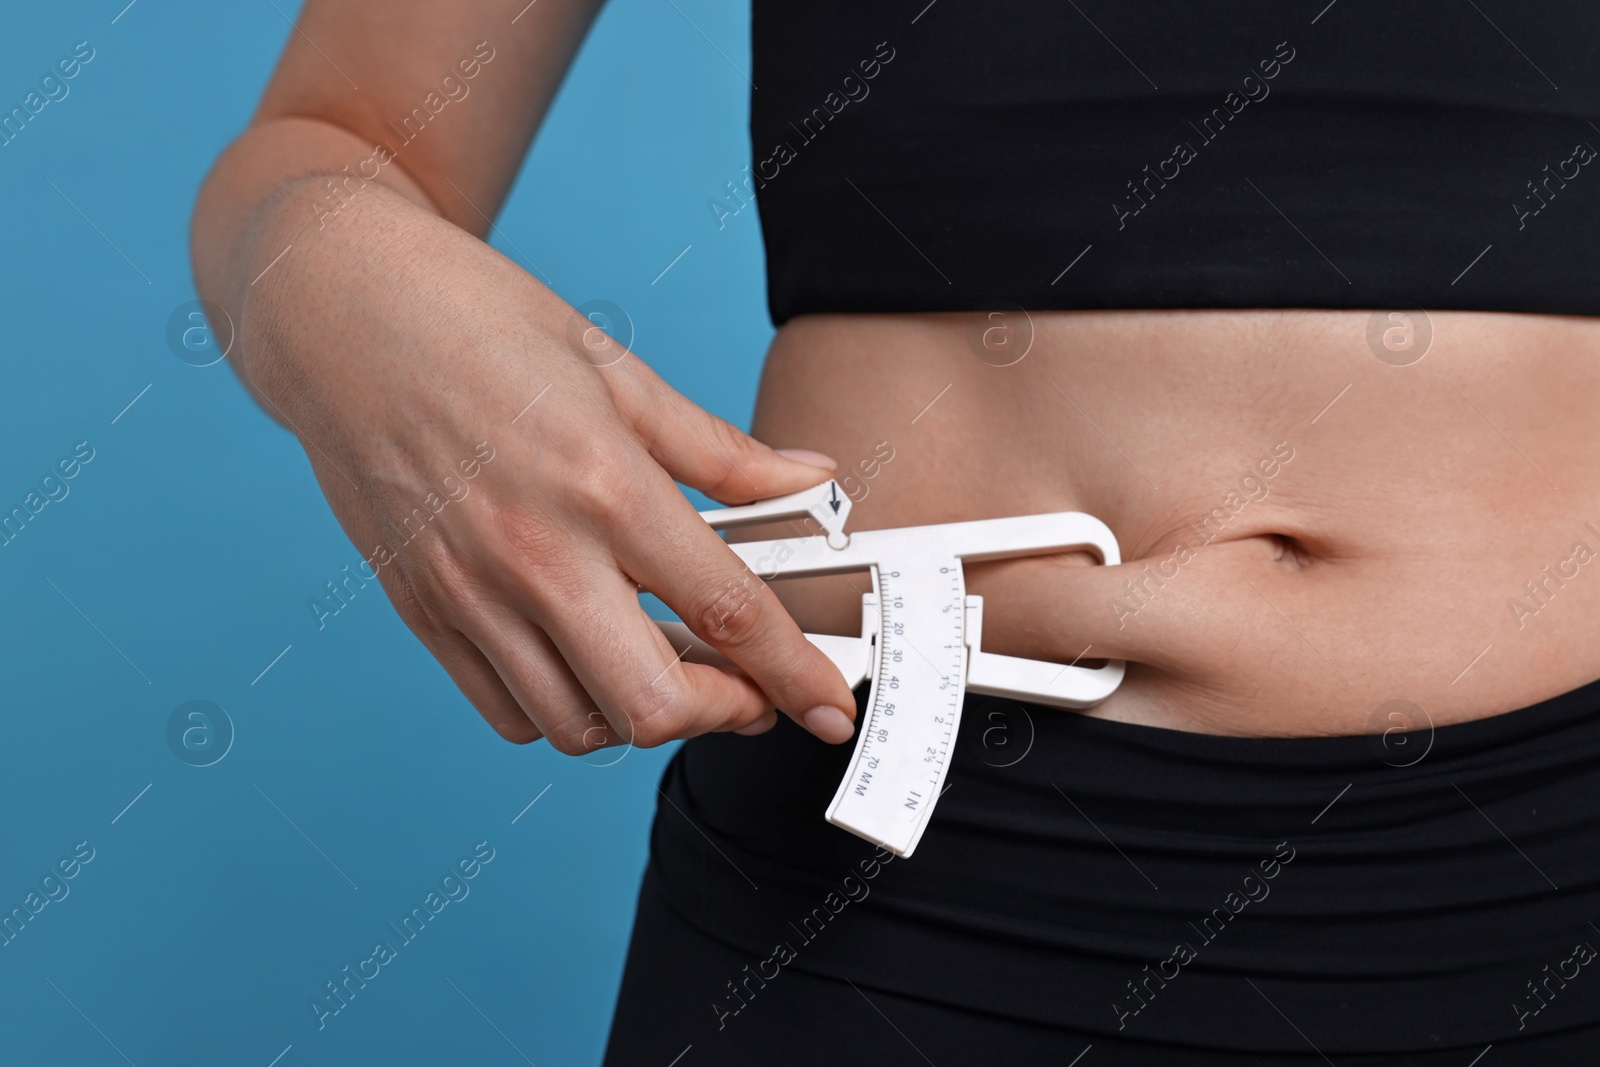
<point>953,155</point>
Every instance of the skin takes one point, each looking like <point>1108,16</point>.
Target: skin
<point>393,342</point>
<point>1375,565</point>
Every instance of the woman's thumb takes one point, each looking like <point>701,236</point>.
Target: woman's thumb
<point>704,451</point>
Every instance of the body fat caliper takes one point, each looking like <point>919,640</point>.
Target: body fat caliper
<point>920,642</point>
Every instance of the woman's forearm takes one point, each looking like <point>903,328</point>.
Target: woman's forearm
<point>371,319</point>
<point>283,181</point>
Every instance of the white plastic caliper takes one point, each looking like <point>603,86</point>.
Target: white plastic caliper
<point>920,642</point>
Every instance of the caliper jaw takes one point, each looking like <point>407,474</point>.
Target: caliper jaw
<point>1034,681</point>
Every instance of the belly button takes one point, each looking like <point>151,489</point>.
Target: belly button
<point>1289,552</point>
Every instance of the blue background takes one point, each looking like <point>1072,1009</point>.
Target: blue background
<point>184,556</point>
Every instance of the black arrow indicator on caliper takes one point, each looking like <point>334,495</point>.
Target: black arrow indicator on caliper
<point>835,502</point>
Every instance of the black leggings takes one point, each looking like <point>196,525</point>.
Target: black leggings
<point>1133,896</point>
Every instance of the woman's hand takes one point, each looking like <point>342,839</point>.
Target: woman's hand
<point>405,353</point>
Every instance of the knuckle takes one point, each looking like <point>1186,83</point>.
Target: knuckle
<point>517,731</point>
<point>536,558</point>
<point>437,601</point>
<point>596,465</point>
<point>568,737</point>
<point>656,714</point>
<point>607,488</point>
<point>732,614</point>
<point>408,593</point>
<point>445,581</point>
<point>525,539</point>
<point>597,732</point>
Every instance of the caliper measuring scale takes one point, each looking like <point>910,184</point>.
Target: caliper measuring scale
<point>920,644</point>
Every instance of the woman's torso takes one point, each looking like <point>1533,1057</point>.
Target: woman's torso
<point>917,164</point>
<point>1362,523</point>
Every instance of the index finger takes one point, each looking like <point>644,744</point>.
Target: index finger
<point>696,574</point>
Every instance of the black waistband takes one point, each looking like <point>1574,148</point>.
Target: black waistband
<point>1430,891</point>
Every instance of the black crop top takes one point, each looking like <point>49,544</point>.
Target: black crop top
<point>956,155</point>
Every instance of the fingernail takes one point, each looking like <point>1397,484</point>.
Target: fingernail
<point>829,723</point>
<point>814,459</point>
<point>768,720</point>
